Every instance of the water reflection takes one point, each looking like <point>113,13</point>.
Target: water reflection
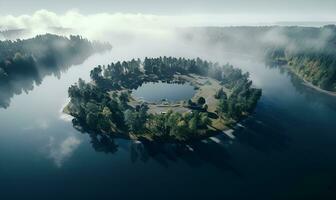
<point>23,80</point>
<point>264,131</point>
<point>103,143</point>
<point>208,151</point>
<point>59,151</point>
<point>193,154</point>
<point>311,94</point>
<point>156,92</point>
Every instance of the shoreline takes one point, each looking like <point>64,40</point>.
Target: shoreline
<point>106,105</point>
<point>309,84</point>
<point>194,80</point>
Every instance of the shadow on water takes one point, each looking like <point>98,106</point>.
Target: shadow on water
<point>103,143</point>
<point>194,154</point>
<point>267,129</point>
<point>262,132</point>
<point>311,94</point>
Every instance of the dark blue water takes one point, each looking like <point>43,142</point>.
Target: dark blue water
<point>285,150</point>
<point>156,92</point>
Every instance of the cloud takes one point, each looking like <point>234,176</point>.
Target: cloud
<point>140,35</point>
<point>129,26</point>
<point>38,124</point>
<point>59,152</point>
<point>92,26</point>
<point>124,28</point>
<point>117,28</point>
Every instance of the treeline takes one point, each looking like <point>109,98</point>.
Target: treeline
<point>240,103</point>
<point>254,40</point>
<point>28,61</point>
<point>110,113</point>
<point>311,54</point>
<point>131,74</point>
<point>98,110</point>
<point>317,67</point>
<point>309,51</point>
<point>103,105</point>
<point>47,50</point>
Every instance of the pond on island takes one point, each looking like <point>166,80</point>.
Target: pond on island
<point>157,92</point>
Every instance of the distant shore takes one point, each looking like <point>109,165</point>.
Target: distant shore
<point>309,84</point>
<point>306,83</point>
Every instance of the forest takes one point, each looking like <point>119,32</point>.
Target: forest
<point>102,105</point>
<point>310,52</point>
<point>316,67</point>
<point>24,63</point>
<point>255,40</point>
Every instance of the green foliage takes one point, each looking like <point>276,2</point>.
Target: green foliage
<point>242,100</point>
<point>124,97</point>
<point>24,63</point>
<point>315,62</point>
<point>95,103</point>
<point>205,107</point>
<point>220,94</point>
<point>92,120</point>
<point>201,101</point>
<point>178,126</point>
<point>136,119</point>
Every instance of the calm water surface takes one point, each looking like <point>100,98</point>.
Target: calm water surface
<point>285,150</point>
<point>156,92</point>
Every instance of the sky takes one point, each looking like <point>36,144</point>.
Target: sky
<point>153,16</point>
<point>312,10</point>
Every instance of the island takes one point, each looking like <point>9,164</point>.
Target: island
<point>106,105</point>
<point>24,63</point>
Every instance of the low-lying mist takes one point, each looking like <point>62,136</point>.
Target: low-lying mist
<point>141,35</point>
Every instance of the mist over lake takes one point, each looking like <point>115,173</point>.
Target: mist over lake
<point>284,149</point>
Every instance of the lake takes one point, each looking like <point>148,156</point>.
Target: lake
<point>156,92</point>
<point>285,150</point>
